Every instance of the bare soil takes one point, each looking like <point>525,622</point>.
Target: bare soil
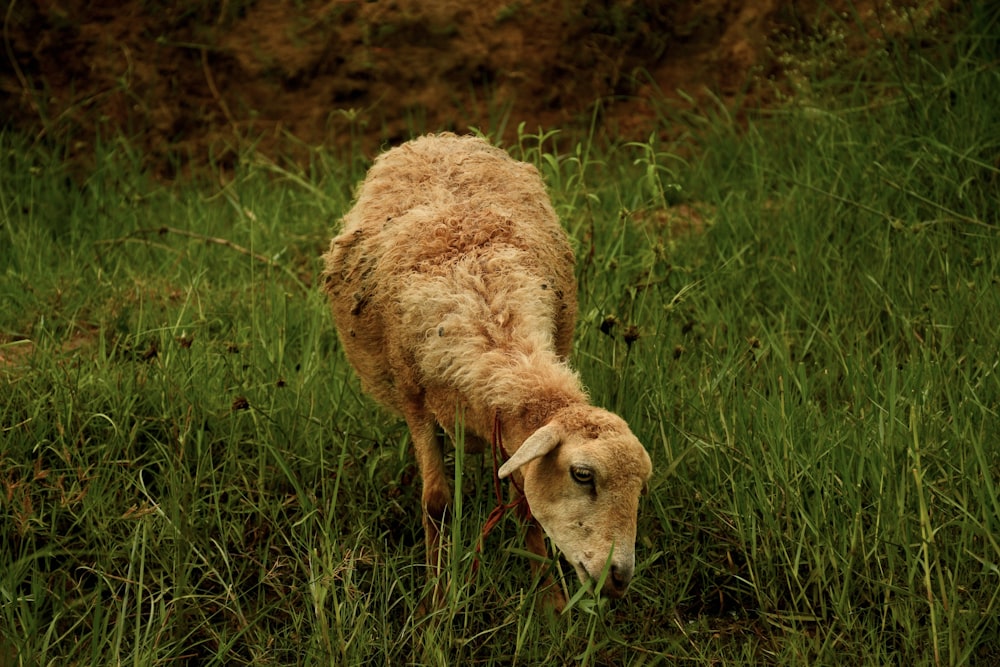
<point>198,82</point>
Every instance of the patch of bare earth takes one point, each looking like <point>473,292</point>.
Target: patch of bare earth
<point>197,83</point>
<point>15,354</point>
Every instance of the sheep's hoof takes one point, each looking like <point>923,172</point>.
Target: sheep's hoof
<point>433,600</point>
<point>552,597</point>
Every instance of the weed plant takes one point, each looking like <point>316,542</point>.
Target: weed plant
<point>800,320</point>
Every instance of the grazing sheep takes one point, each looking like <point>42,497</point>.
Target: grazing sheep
<point>453,292</point>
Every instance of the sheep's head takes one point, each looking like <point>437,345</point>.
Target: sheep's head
<point>583,474</point>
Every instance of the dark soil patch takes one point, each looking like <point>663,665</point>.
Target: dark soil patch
<point>198,82</point>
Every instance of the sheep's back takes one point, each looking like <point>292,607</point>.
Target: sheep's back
<point>442,196</point>
<point>446,213</point>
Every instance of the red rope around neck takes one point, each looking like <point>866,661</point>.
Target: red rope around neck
<point>501,507</point>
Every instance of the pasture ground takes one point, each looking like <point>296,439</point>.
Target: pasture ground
<point>799,316</point>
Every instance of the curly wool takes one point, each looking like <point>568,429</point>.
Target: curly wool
<point>453,267</point>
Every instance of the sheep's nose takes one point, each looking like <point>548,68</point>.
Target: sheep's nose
<point>618,578</point>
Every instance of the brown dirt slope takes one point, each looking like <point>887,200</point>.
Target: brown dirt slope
<point>202,80</point>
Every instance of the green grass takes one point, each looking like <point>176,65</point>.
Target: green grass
<point>189,472</point>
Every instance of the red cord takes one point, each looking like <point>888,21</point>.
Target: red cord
<point>501,507</point>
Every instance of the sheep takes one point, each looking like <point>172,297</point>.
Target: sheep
<point>453,292</point>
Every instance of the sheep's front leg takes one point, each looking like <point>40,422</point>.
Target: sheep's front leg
<point>534,540</point>
<point>435,496</point>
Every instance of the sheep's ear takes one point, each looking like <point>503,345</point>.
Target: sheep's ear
<point>539,443</point>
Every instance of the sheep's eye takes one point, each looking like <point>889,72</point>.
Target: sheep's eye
<point>582,475</point>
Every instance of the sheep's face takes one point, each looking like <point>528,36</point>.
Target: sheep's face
<point>583,477</point>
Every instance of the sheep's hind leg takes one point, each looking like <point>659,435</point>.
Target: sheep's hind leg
<point>435,495</point>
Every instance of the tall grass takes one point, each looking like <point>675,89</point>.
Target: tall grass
<point>190,472</point>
